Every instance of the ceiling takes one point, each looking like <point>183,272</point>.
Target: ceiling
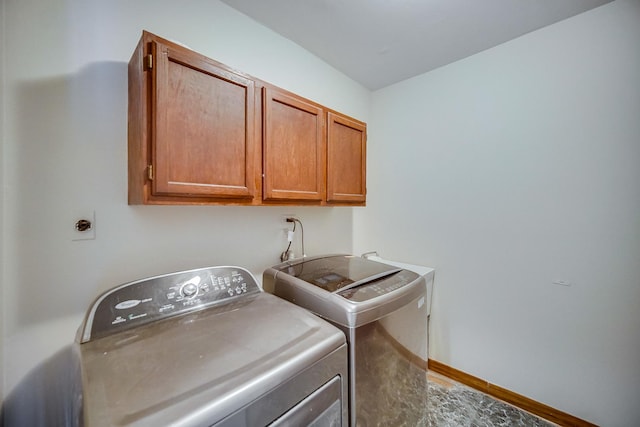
<point>381,42</point>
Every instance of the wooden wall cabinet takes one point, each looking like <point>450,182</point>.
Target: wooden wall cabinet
<point>202,133</point>
<point>192,136</point>
<point>294,148</point>
<point>346,160</point>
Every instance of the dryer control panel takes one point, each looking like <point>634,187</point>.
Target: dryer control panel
<point>156,298</point>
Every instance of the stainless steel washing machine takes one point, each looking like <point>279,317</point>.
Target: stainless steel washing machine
<point>383,312</point>
<point>204,347</point>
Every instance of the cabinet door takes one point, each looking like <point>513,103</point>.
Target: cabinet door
<point>202,127</point>
<point>294,148</point>
<point>346,160</point>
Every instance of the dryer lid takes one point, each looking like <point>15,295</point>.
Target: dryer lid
<point>196,368</point>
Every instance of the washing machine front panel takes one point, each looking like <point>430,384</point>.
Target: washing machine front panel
<point>389,371</point>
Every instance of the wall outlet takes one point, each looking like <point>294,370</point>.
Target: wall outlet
<point>285,216</point>
<point>83,226</point>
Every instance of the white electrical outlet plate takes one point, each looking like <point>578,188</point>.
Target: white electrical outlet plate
<point>88,234</point>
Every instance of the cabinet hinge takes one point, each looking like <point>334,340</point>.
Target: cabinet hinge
<point>150,172</point>
<point>149,61</point>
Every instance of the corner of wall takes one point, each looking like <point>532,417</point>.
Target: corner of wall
<point>2,137</point>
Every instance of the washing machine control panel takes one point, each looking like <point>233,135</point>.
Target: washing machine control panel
<point>143,301</point>
<point>380,287</point>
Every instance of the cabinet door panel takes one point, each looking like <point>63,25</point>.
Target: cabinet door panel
<point>203,127</point>
<point>346,159</point>
<point>294,148</point>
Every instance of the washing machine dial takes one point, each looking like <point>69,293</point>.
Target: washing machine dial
<point>189,290</point>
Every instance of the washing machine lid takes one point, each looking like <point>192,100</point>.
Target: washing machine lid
<point>336,273</point>
<point>426,272</point>
<point>345,289</point>
<point>197,367</point>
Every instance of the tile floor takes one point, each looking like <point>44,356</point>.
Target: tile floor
<point>452,404</point>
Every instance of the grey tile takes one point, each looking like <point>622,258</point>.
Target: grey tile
<point>461,406</point>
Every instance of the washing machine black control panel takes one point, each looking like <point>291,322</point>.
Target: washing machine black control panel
<point>380,287</point>
<point>143,301</point>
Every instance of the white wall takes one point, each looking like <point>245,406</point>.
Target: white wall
<point>505,171</point>
<point>65,153</point>
<point>509,170</point>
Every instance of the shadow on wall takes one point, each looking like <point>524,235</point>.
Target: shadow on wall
<point>70,136</point>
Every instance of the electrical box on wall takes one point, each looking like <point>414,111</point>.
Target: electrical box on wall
<point>84,226</point>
